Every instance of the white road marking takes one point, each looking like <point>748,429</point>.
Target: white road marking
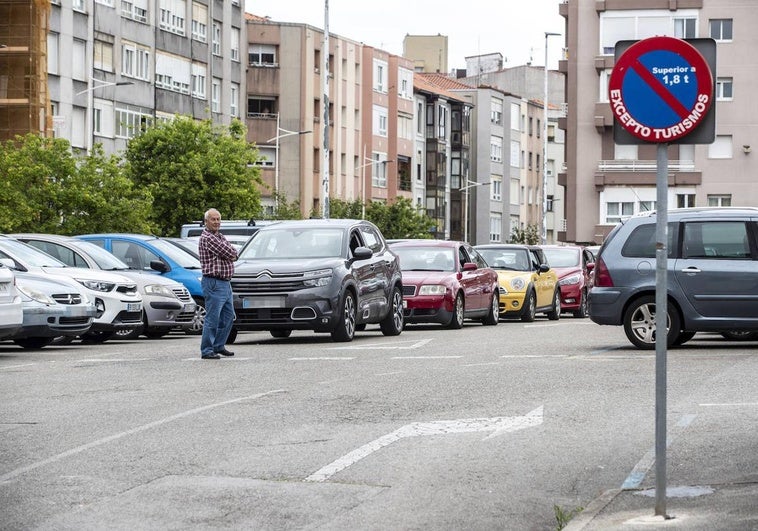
<point>109,360</point>
<point>497,425</point>
<point>79,449</point>
<point>734,404</point>
<point>425,357</point>
<point>321,358</point>
<point>396,345</point>
<point>17,366</point>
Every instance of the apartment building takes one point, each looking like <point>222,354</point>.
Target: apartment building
<point>115,66</point>
<point>371,115</point>
<point>605,181</point>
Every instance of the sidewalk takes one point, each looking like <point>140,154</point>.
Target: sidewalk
<point>727,507</point>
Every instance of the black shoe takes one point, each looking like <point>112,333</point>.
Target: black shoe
<point>224,352</point>
<point>213,356</point>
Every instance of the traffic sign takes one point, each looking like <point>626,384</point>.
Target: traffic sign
<point>661,89</point>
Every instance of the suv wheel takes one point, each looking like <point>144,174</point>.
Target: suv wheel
<point>392,324</point>
<point>639,323</point>
<point>346,323</point>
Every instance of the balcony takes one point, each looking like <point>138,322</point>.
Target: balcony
<point>643,173</point>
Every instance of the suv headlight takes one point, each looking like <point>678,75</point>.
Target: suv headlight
<point>318,278</point>
<point>97,285</point>
<point>570,280</point>
<point>35,294</point>
<point>432,289</point>
<point>159,290</point>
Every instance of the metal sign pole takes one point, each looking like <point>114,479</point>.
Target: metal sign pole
<point>661,325</point>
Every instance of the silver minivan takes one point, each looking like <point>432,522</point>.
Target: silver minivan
<point>712,275</point>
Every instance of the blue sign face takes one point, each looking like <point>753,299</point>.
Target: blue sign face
<point>660,89</point>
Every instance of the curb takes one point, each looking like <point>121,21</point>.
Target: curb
<point>588,514</point>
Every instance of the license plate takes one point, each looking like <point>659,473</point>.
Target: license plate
<point>133,306</point>
<point>189,307</point>
<point>4,287</point>
<point>275,301</point>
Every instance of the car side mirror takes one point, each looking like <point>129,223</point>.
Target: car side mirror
<point>470,266</point>
<point>590,266</point>
<point>159,265</point>
<point>362,253</point>
<point>8,262</point>
<point>544,268</point>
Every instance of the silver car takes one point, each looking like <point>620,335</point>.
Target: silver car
<point>167,304</point>
<point>52,307</point>
<point>712,275</point>
<point>11,313</point>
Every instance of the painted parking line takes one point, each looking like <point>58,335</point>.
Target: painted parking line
<point>426,357</point>
<point>637,475</point>
<point>79,449</point>
<point>732,404</point>
<point>322,358</point>
<point>395,345</point>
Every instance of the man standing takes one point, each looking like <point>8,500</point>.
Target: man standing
<point>217,258</point>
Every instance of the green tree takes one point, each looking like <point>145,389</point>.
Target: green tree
<point>47,189</point>
<point>284,208</point>
<point>529,235</point>
<point>400,219</point>
<point>189,166</point>
<point>342,209</point>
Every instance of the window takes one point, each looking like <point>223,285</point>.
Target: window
<point>685,200</point>
<point>515,154</point>
<point>716,239</point>
<point>441,121</point>
<point>496,149</point>
<point>78,119</point>
<point>234,100</point>
<point>405,79</point>
<point>199,22</point>
<point>724,88</point>
<point>102,118</point>
<point>515,116</point>
<point>379,170</point>
<point>617,210</point>
<point>380,76</point>
<point>172,73</point>
<point>79,5</point>
<point>173,13</point>
<point>721,29</point>
<point>199,79</point>
<point>261,55</point>
<point>109,3</point>
<point>496,111</point>
<point>496,227</point>
<point>216,95</point>
<point>721,148</point>
<point>405,127</point>
<point>129,122</point>
<point>134,10</point>
<point>216,44</point>
<point>260,105</point>
<point>103,56</point>
<point>79,63</point>
<point>685,27</point>
<point>135,61</point>
<point>549,203</point>
<point>380,120</point>
<point>720,200</point>
<point>52,53</point>
<point>235,44</point>
<point>496,188</point>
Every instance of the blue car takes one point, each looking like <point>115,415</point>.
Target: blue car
<point>161,257</point>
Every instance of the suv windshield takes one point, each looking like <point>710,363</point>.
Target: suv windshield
<point>283,243</point>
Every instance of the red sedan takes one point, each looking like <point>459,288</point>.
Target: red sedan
<point>446,282</point>
<point>573,264</point>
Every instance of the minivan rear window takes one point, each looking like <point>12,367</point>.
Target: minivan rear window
<point>641,242</point>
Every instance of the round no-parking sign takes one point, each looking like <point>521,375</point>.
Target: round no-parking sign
<point>660,89</point>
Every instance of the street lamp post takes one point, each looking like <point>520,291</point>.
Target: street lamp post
<point>465,189</point>
<point>96,84</point>
<point>281,133</point>
<point>543,234</point>
<point>363,167</point>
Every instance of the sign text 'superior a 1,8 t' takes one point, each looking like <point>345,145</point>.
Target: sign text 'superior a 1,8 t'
<point>660,89</point>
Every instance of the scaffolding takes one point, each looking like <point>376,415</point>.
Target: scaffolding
<point>24,95</point>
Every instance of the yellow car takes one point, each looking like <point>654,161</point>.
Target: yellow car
<point>528,285</point>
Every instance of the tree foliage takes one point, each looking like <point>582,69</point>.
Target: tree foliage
<point>400,219</point>
<point>189,166</point>
<point>45,188</point>
<point>529,235</point>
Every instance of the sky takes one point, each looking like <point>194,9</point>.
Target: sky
<point>514,28</point>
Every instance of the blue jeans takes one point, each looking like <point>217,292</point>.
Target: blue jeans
<point>219,314</point>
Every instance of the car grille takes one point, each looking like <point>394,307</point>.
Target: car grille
<point>130,289</point>
<point>68,298</point>
<point>409,291</point>
<point>271,283</point>
<point>182,294</point>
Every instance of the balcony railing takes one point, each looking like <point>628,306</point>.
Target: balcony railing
<point>643,165</point>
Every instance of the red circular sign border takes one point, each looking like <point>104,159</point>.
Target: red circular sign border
<point>703,74</point>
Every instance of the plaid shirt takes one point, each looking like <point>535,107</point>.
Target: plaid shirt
<point>217,255</point>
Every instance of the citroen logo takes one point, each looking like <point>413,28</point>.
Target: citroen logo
<point>264,274</point>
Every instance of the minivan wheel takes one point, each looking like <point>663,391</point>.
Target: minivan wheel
<point>392,324</point>
<point>639,324</point>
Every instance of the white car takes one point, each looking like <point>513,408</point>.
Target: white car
<point>11,311</point>
<point>117,301</point>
